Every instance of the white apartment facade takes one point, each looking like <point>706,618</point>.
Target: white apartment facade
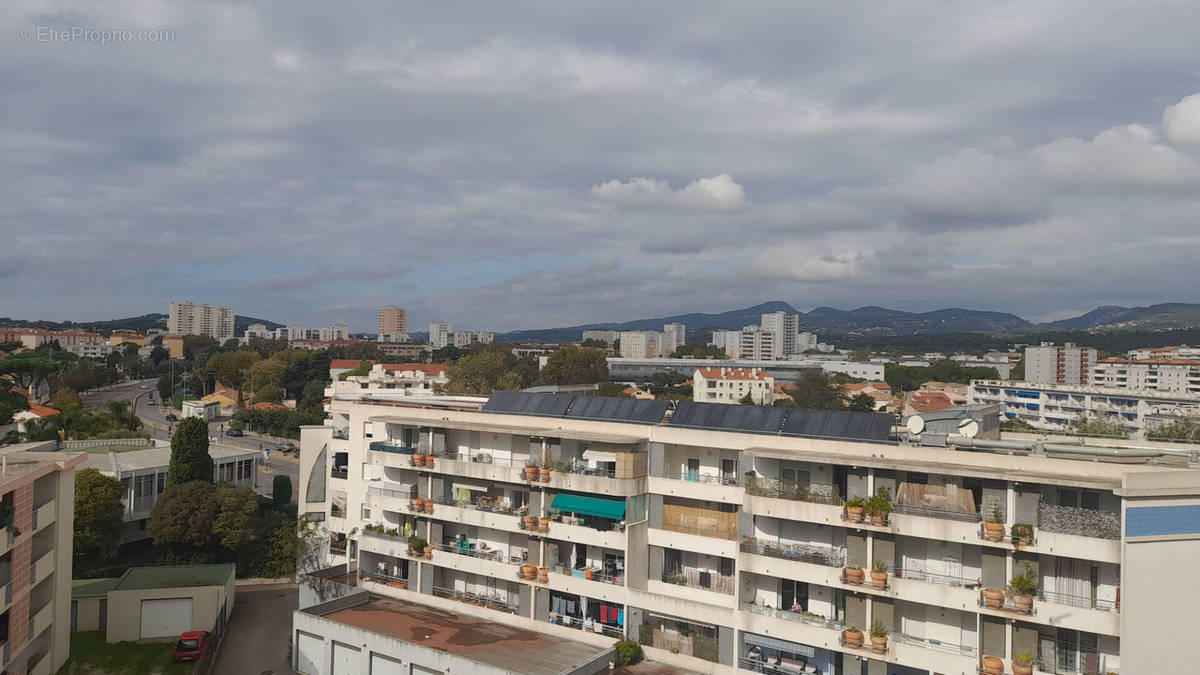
<point>674,337</point>
<point>333,332</point>
<point>729,340</point>
<point>606,336</point>
<point>757,343</point>
<point>641,344</point>
<point>729,551</point>
<point>1051,364</point>
<point>1150,374</point>
<point>463,338</point>
<point>783,327</point>
<point>440,334</point>
<point>189,318</point>
<point>1058,406</point>
<point>622,368</point>
<point>731,385</point>
<point>414,377</point>
<point>257,331</point>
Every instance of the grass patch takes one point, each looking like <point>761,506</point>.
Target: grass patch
<point>91,655</point>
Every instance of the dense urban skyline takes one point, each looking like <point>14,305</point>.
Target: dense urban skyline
<point>547,166</point>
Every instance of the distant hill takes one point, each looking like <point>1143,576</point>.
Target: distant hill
<point>823,320</point>
<point>1163,316</point>
<point>136,324</point>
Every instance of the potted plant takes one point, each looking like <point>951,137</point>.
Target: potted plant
<point>429,459</point>
<point>852,637</point>
<point>878,507</point>
<point>854,509</point>
<point>879,637</point>
<point>993,598</point>
<point>853,574</point>
<point>1023,586</point>
<point>1022,534</point>
<point>417,545</point>
<point>543,574</point>
<point>879,574</point>
<point>531,470</point>
<point>992,665</point>
<point>544,472</point>
<point>418,458</point>
<point>544,523</point>
<point>1023,664</point>
<point>993,529</point>
<point>429,505</point>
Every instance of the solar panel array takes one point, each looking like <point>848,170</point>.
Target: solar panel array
<point>845,424</point>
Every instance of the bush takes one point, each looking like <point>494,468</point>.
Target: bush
<point>416,543</point>
<point>281,490</point>
<point>628,652</point>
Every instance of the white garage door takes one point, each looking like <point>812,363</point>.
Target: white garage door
<point>346,660</point>
<point>383,665</point>
<point>308,653</point>
<point>166,617</point>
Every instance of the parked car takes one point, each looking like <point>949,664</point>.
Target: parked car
<point>287,447</point>
<point>190,646</point>
<point>234,432</point>
<point>172,418</point>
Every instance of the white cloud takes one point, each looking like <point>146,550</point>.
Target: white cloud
<point>719,193</point>
<point>1182,120</point>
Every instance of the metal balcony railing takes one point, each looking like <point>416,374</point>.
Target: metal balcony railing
<point>792,615</point>
<point>489,601</point>
<point>808,553</point>
<point>590,575</point>
<point>928,643</point>
<point>938,579</point>
<point>705,581</point>
<point>778,488</point>
<point>706,478</point>
<point>587,625</point>
<point>1074,600</point>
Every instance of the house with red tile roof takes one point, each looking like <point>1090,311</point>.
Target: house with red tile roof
<point>731,385</point>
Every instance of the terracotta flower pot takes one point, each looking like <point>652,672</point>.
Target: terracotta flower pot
<point>543,574</point>
<point>529,572</point>
<point>529,522</point>
<point>429,505</point>
<point>418,459</point>
<point>544,474</point>
<point>1024,603</point>
<point>429,552</point>
<point>854,575</point>
<point>992,665</point>
<point>879,519</point>
<point>993,598</point>
<point>531,473</point>
<point>854,514</point>
<point>429,461</point>
<point>852,638</point>
<point>879,644</point>
<point>879,579</point>
<point>993,531</point>
<point>1019,669</point>
<point>544,524</point>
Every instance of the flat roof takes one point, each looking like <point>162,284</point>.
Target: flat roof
<point>174,576</point>
<point>86,587</point>
<point>502,646</point>
<point>23,462</point>
<point>151,458</point>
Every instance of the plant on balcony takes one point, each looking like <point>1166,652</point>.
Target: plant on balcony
<point>429,459</point>
<point>545,470</point>
<point>879,636</point>
<point>992,665</point>
<point>993,528</point>
<point>879,574</point>
<point>855,508</point>
<point>628,652</point>
<point>852,636</point>
<point>879,506</point>
<point>993,598</point>
<point>531,470</point>
<point>1023,586</point>
<point>418,458</point>
<point>1023,664</point>
<point>1022,534</point>
<point>417,545</point>
<point>853,574</point>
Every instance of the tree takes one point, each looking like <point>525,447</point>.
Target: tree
<point>281,490</point>
<point>593,342</point>
<point>1017,372</point>
<point>862,403</point>
<point>700,352</point>
<point>311,542</point>
<point>575,365</point>
<point>480,372</point>
<point>1182,429</point>
<point>183,516</point>
<point>1087,425</point>
<point>236,508</point>
<point>28,370</point>
<point>232,368</point>
<point>98,513</point>
<point>612,389</point>
<point>158,354</point>
<point>10,403</point>
<point>747,400</point>
<point>269,394</point>
<point>861,354</point>
<point>814,390</point>
<point>190,460</point>
<point>361,369</point>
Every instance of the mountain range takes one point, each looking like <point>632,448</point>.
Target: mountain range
<point>137,324</point>
<point>879,321</point>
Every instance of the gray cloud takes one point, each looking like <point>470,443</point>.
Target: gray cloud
<point>562,164</point>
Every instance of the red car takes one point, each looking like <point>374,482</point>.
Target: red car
<point>190,646</point>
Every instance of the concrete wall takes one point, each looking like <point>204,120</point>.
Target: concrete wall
<point>87,613</point>
<point>125,608</point>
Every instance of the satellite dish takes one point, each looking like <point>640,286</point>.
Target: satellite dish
<point>915,424</point>
<point>968,428</point>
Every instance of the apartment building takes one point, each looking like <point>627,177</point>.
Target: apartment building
<point>415,377</point>
<point>1150,374</point>
<point>463,338</point>
<point>80,343</point>
<point>1050,364</point>
<point>440,334</point>
<point>757,343</point>
<point>783,327</point>
<point>642,344</point>
<point>720,538</point>
<point>729,340</point>
<point>731,385</point>
<point>37,505</point>
<point>393,323</point>
<point>1058,406</point>
<point>189,318</point>
<point>674,337</point>
<point>606,336</point>
<point>333,332</point>
<point>621,368</point>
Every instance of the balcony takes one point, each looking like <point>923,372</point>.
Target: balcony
<point>1007,603</point>
<point>394,447</point>
<point>791,615</point>
<point>700,522</point>
<point>865,645</point>
<point>42,568</point>
<point>936,645</point>
<point>479,465</point>
<point>683,643</point>
<point>339,472</point>
<point>698,485</point>
<point>778,488</point>
<point>490,601</point>
<point>936,579</point>
<point>400,583</point>
<point>807,553</point>
<point>704,581</point>
<point>1079,601</point>
<point>1079,522</point>
<point>43,515</point>
<point>587,625</point>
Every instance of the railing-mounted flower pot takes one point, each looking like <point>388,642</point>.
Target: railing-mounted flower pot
<point>993,598</point>
<point>853,575</point>
<point>418,459</point>
<point>852,637</point>
<point>855,509</point>
<point>991,665</point>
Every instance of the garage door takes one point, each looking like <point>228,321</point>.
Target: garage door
<point>383,665</point>
<point>308,653</point>
<point>346,660</point>
<point>166,617</point>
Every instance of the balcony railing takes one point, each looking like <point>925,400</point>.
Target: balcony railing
<point>1070,658</point>
<point>589,574</point>
<point>490,601</point>
<point>470,550</point>
<point>485,458</point>
<point>816,493</point>
<point>938,579</point>
<point>689,644</point>
<point>786,666</point>
<point>934,512</point>
<point>393,447</point>
<point>1008,603</point>
<point>339,473</point>
<point>703,477</point>
<point>485,505</point>
<point>792,615</point>
<point>1081,601</point>
<point>929,643</point>
<point>865,646</point>
<point>705,581</point>
<point>1079,522</point>
<point>344,435</point>
<point>587,625</point>
<point>808,553</point>
<point>385,579</point>
<point>397,490</point>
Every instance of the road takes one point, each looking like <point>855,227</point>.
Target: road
<point>256,640</point>
<point>94,398</point>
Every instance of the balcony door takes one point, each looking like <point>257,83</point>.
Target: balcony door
<point>792,593</point>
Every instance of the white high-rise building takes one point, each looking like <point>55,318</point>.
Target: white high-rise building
<point>783,328</point>
<point>606,336</point>
<point>757,343</point>
<point>188,318</point>
<point>440,334</point>
<point>805,341</point>
<point>674,337</point>
<point>641,344</point>
<point>1050,364</point>
<point>334,332</point>
<point>729,340</point>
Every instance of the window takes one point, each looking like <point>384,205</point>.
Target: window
<point>162,483</point>
<point>366,512</point>
<point>726,567</point>
<point>245,469</point>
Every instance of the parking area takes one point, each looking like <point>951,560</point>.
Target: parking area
<point>256,641</point>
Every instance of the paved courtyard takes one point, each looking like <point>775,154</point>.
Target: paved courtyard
<point>257,640</point>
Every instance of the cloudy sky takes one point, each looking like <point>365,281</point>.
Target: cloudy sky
<point>505,165</point>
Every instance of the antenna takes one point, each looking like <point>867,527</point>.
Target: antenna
<point>915,424</point>
<point>968,428</point>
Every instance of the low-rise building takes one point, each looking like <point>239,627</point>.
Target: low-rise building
<point>155,603</point>
<point>117,339</point>
<point>1058,406</point>
<point>732,385</point>
<point>205,410</point>
<point>173,345</point>
<point>416,377</point>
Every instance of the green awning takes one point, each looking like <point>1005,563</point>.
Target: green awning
<point>590,506</point>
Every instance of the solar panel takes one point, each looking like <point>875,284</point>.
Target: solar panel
<point>543,405</point>
<point>734,417</point>
<point>847,424</point>
<point>617,409</point>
